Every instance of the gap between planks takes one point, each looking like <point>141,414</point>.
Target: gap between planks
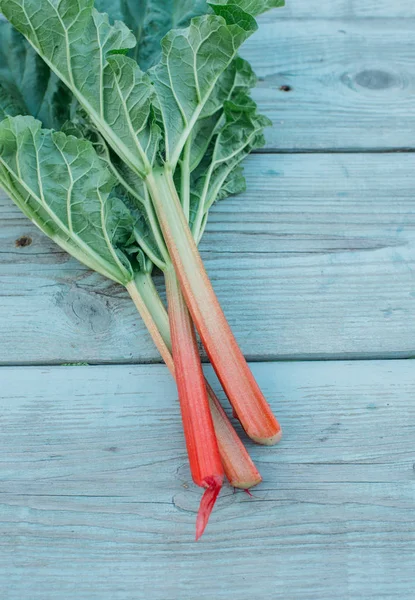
<point>386,150</point>
<point>395,356</point>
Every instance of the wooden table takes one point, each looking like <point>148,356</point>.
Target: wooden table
<point>315,268</point>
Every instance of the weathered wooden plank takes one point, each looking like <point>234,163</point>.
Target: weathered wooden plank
<point>351,80</point>
<point>349,9</point>
<point>316,259</point>
<point>97,501</point>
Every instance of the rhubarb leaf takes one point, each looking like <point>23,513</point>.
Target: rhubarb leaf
<point>86,53</point>
<point>215,178</point>
<point>130,188</point>
<point>150,21</point>
<point>10,101</point>
<point>253,7</point>
<point>62,185</point>
<point>192,62</point>
<point>27,86</point>
<point>238,77</point>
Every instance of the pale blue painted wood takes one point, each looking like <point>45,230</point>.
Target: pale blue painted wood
<point>337,9</point>
<point>352,80</point>
<point>316,259</point>
<point>96,500</point>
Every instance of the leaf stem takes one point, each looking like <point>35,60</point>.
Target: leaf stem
<point>201,207</point>
<point>185,179</point>
<point>145,286</point>
<point>155,227</point>
<point>137,298</point>
<point>225,355</point>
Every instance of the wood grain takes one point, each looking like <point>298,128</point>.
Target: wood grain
<point>349,9</point>
<point>316,259</point>
<point>351,81</point>
<point>97,501</point>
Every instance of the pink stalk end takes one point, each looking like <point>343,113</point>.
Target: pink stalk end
<point>207,503</point>
<point>238,466</point>
<point>201,442</point>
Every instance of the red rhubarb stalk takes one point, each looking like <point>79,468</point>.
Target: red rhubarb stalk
<point>237,464</point>
<point>202,446</point>
<point>236,378</point>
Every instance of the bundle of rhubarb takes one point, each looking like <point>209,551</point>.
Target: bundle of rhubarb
<point>116,145</point>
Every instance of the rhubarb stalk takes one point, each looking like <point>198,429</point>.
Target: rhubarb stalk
<point>238,465</point>
<point>236,378</point>
<point>202,447</point>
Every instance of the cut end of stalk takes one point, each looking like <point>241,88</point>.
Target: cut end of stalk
<point>268,441</point>
<point>213,485</point>
<point>245,485</point>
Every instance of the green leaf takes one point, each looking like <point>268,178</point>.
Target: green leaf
<point>131,189</point>
<point>62,185</point>
<point>216,177</point>
<point>193,61</point>
<point>85,52</point>
<point>150,21</point>
<point>253,7</point>
<point>79,44</point>
<point>142,228</point>
<point>234,184</point>
<point>27,86</point>
<point>238,77</point>
<point>10,101</point>
<point>243,124</point>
